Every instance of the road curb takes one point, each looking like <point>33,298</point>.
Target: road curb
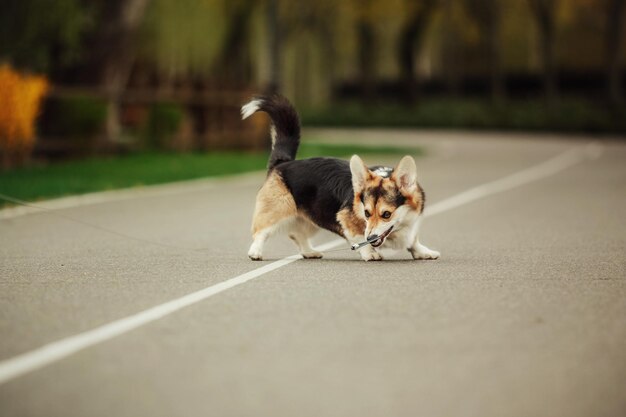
<point>99,197</point>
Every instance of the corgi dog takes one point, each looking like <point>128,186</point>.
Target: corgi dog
<point>378,204</point>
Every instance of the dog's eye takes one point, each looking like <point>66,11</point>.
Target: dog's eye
<point>386,215</point>
<point>367,213</point>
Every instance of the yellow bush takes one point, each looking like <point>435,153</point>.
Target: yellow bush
<point>20,101</point>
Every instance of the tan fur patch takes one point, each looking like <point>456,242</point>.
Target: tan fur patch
<point>415,200</point>
<point>350,222</point>
<point>274,203</point>
<point>357,198</point>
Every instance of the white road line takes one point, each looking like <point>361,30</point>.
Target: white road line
<point>38,358</point>
<point>560,162</point>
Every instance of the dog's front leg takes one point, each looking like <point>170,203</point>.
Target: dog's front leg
<point>417,250</point>
<point>353,231</point>
<point>367,252</point>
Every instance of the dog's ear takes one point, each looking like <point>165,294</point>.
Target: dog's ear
<point>405,174</point>
<point>360,173</point>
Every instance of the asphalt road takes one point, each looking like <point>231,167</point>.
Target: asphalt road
<point>523,315</point>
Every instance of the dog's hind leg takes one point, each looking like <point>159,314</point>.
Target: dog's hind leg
<point>260,237</point>
<point>300,233</point>
<point>274,206</point>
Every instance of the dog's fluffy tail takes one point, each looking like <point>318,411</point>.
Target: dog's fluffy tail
<point>285,127</point>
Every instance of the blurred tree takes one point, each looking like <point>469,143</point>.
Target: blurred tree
<point>274,35</point>
<point>40,35</point>
<point>544,12</point>
<point>113,48</point>
<point>487,14</point>
<point>206,41</point>
<point>614,50</point>
<point>366,48</point>
<point>186,38</point>
<point>309,35</point>
<point>234,52</point>
<point>453,40</point>
<point>410,43</point>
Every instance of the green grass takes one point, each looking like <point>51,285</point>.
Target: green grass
<point>107,173</point>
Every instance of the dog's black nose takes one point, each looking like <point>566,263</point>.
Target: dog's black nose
<point>372,238</point>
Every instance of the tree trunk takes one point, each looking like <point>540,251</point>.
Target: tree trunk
<point>409,47</point>
<point>487,14</point>
<point>273,35</point>
<point>234,54</point>
<point>544,11</point>
<point>366,59</point>
<point>114,54</point>
<point>614,50</point>
<point>492,29</point>
<point>450,51</point>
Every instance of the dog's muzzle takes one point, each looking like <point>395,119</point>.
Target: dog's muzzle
<point>376,241</point>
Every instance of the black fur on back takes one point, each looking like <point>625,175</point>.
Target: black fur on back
<point>321,187</point>
<point>285,128</point>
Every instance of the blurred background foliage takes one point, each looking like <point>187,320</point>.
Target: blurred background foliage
<point>20,97</point>
<point>183,37</point>
<point>44,36</point>
<point>162,74</point>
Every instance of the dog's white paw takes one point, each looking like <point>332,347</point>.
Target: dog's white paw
<point>255,254</point>
<point>371,256</point>
<point>312,255</point>
<point>422,252</point>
